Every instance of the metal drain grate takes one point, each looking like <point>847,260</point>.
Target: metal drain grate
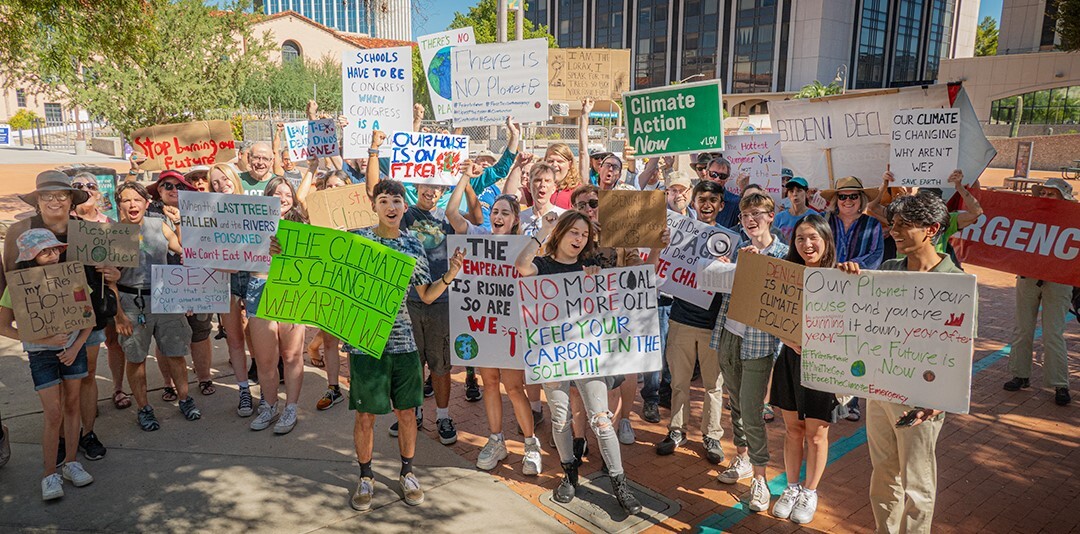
<point>596,510</point>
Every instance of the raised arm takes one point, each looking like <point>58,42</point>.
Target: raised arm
<point>429,292</point>
<point>972,209</point>
<point>275,145</point>
<point>173,239</point>
<point>524,261</point>
<point>515,135</point>
<point>417,116</point>
<point>377,139</point>
<point>453,206</point>
<point>307,180</point>
<point>583,139</point>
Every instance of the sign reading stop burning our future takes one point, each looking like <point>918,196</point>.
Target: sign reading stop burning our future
<point>691,243</point>
<point>307,139</point>
<point>376,94</point>
<point>925,146</point>
<point>228,231</point>
<point>894,336</point>
<point>171,146</point>
<point>182,289</point>
<point>111,244</point>
<point>428,158</point>
<point>579,326</point>
<point>677,119</point>
<point>50,300</point>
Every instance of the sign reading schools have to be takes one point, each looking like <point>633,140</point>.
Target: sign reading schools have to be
<point>376,94</point>
<point>676,119</point>
<point>228,231</point>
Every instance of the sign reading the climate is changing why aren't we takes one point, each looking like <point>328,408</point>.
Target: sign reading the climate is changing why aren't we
<point>376,94</point>
<point>228,231</point>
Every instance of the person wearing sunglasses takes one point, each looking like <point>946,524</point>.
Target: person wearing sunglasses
<point>719,170</point>
<point>89,210</point>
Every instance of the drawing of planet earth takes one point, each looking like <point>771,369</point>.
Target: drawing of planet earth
<point>465,347</point>
<point>858,368</point>
<point>439,73</point>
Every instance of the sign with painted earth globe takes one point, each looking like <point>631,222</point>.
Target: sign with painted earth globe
<point>439,73</point>
<point>465,347</point>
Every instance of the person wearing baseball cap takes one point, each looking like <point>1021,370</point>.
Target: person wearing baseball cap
<point>795,191</point>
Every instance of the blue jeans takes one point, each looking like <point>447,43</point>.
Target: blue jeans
<point>658,383</point>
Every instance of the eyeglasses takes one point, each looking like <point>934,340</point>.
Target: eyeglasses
<point>259,158</point>
<point>849,196</point>
<point>90,186</point>
<point>759,215</point>
<point>598,156</point>
<point>53,250</point>
<point>718,175</point>
<point>611,166</point>
<point>171,186</point>
<point>591,203</point>
<point>54,197</point>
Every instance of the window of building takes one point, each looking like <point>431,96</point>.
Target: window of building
<point>870,63</point>
<point>755,36</point>
<point>650,55</point>
<point>609,24</point>
<point>909,28</point>
<point>537,12</point>
<point>1060,105</point>
<point>20,98</point>
<point>571,23</point>
<point>1049,26</point>
<point>54,114</point>
<point>940,38</point>
<point>290,51</point>
<point>699,37</point>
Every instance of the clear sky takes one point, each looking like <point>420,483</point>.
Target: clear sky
<point>990,8</point>
<point>439,14</point>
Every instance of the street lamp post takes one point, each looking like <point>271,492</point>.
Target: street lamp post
<point>841,77</point>
<point>688,78</point>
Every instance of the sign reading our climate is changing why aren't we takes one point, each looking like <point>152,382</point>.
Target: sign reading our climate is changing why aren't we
<point>925,146</point>
<point>677,119</point>
<point>376,94</point>
<point>228,231</point>
<point>893,336</point>
<point>497,80</point>
<point>428,158</point>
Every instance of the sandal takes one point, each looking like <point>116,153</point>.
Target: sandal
<point>318,362</point>
<point>207,387</point>
<point>121,400</point>
<point>767,414</point>
<point>169,394</point>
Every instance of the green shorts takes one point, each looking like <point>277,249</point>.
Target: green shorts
<point>377,383</point>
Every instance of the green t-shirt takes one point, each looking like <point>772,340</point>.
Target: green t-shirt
<point>941,242</point>
<point>253,186</point>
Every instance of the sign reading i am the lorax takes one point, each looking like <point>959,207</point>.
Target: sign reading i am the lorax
<point>171,146</point>
<point>894,336</point>
<point>485,310</point>
<point>677,119</point>
<point>112,244</point>
<point>579,326</point>
<point>925,146</point>
<point>497,80</point>
<point>182,289</point>
<point>376,94</point>
<point>428,158</point>
<point>228,231</point>
<point>349,286</point>
<point>767,295</point>
<point>307,139</point>
<point>342,208</point>
<point>692,242</point>
<point>50,300</point>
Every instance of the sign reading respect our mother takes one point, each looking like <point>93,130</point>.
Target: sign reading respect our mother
<point>376,94</point>
<point>580,326</point>
<point>111,244</point>
<point>485,311</point>
<point>182,289</point>
<point>757,155</point>
<point>349,286</point>
<point>428,158</point>
<point>308,139</point>
<point>50,299</point>
<point>677,119</point>
<point>497,80</point>
<point>894,336</point>
<point>436,53</point>
<point>767,295</point>
<point>925,146</point>
<point>171,146</point>
<point>228,231</point>
<point>343,208</point>
<point>692,241</point>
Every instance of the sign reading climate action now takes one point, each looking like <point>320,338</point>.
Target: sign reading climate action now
<point>349,286</point>
<point>676,119</point>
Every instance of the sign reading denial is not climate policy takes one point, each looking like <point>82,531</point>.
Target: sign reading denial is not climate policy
<point>228,231</point>
<point>349,286</point>
<point>893,336</point>
<point>171,146</point>
<point>925,146</point>
<point>376,94</point>
<point>767,295</point>
<point>312,139</point>
<point>677,119</point>
<point>112,244</point>
<point>580,326</point>
<point>496,80</point>
<point>428,158</point>
<point>632,218</point>
<point>436,52</point>
<point>50,300</point>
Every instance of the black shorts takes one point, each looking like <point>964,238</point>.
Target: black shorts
<point>200,326</point>
<point>787,392</point>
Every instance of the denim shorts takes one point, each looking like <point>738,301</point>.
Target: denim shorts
<point>97,337</point>
<point>254,295</point>
<point>238,283</point>
<point>47,371</point>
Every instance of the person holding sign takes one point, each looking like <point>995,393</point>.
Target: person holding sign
<point>903,439</point>
<point>57,365</point>
<point>570,248</point>
<point>719,171</point>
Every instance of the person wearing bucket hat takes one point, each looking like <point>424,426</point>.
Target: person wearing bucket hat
<point>796,191</point>
<point>858,235</point>
<point>54,181</point>
<point>1054,188</point>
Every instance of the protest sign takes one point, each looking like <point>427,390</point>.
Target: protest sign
<point>716,276</point>
<point>1033,237</point>
<point>171,146</point>
<point>892,336</point>
<point>632,219</point>
<point>436,53</point>
<point>428,158</point>
<point>767,295</point>
<point>343,208</point>
<point>305,139</point>
<point>676,119</point>
<point>349,286</point>
<point>228,231</point>
<point>50,300</point>
<point>111,244</point>
<point>757,155</point>
<point>575,74</point>
<point>496,80</point>
<point>691,242</point>
<point>107,187</point>
<point>925,146</point>
<point>485,310</point>
<point>376,94</point>
<point>579,326</point>
<point>182,289</point>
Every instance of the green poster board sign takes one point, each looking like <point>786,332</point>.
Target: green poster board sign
<point>676,119</point>
<point>349,286</point>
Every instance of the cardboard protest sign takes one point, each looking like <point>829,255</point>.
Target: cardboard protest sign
<point>716,276</point>
<point>436,53</point>
<point>579,326</point>
<point>893,336</point>
<point>376,94</point>
<point>349,286</point>
<point>107,187</point>
<point>691,242</point>
<point>925,146</point>
<point>112,244</point>
<point>228,231</point>
<point>578,73</point>
<point>1032,237</point>
<point>485,309</point>
<point>172,146</point>
<point>496,80</point>
<point>632,219</point>
<point>675,119</point>
<point>50,300</point>
<point>343,208</point>
<point>757,155</point>
<point>428,158</point>
<point>767,295</point>
<point>306,139</point>
<point>182,289</point>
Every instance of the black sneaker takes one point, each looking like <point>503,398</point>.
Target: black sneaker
<point>581,449</point>
<point>473,393</point>
<point>713,452</point>
<point>651,412</point>
<point>61,452</point>
<point>253,372</point>
<point>1016,384</point>
<point>447,432</point>
<point>538,416</point>
<point>92,447</point>
<point>429,390</point>
<point>1061,396</point>
<point>221,334</point>
<point>673,440</point>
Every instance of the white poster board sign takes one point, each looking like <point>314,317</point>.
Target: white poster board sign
<point>229,232</point>
<point>691,242</point>
<point>925,146</point>
<point>376,94</point>
<point>436,51</point>
<point>428,158</point>
<point>716,276</point>
<point>757,155</point>
<point>182,289</point>
<point>893,336</point>
<point>306,139</point>
<point>493,81</point>
<point>485,311</point>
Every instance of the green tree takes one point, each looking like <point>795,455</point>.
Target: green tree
<point>291,84</point>
<point>24,119</point>
<point>1068,23</point>
<point>986,37</point>
<point>817,90</point>
<point>420,87</point>
<point>483,18</point>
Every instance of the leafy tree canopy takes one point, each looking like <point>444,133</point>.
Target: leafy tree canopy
<point>986,37</point>
<point>483,18</point>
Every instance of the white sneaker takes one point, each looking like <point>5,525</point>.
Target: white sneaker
<point>782,508</point>
<point>361,498</point>
<point>626,432</point>
<point>493,453</point>
<point>758,497</point>
<point>531,465</point>
<point>52,487</point>
<point>287,421</point>
<point>74,473</point>
<point>805,506</point>
<point>739,469</point>
<point>267,415</point>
